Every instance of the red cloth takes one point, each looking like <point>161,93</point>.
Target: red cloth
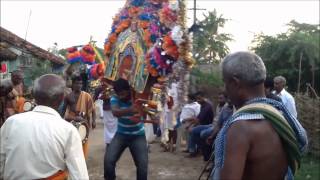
<point>3,68</point>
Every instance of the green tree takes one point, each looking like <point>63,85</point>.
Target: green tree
<point>209,45</point>
<point>63,52</point>
<point>211,79</point>
<point>39,68</point>
<point>291,53</point>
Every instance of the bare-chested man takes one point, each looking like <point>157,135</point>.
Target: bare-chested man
<point>16,106</point>
<point>6,98</point>
<point>252,143</point>
<point>79,106</point>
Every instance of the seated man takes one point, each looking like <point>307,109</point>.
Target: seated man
<point>222,102</point>
<point>225,113</point>
<point>189,112</point>
<point>200,133</point>
<point>262,140</point>
<point>204,119</point>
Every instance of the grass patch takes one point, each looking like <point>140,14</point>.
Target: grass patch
<point>310,168</point>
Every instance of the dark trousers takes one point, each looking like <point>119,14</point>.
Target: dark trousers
<point>139,151</point>
<point>156,130</point>
<point>198,139</point>
<point>206,149</point>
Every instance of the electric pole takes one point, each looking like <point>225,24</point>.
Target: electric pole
<point>195,9</point>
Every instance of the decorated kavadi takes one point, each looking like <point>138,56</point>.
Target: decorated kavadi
<point>147,38</point>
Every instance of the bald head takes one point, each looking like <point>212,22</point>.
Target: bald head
<point>246,66</point>
<point>48,90</point>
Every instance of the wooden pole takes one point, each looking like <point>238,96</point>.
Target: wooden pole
<point>312,71</point>
<point>313,91</point>
<point>25,36</point>
<point>298,89</point>
<point>194,11</point>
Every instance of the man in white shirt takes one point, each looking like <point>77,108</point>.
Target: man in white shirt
<point>39,144</point>
<point>287,99</point>
<point>189,112</point>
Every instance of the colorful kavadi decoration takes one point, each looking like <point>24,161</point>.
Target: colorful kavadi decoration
<point>147,38</point>
<point>87,55</point>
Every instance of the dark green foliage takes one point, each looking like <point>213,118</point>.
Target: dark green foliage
<point>40,68</point>
<point>282,53</point>
<point>209,45</point>
<point>208,79</point>
<point>309,168</point>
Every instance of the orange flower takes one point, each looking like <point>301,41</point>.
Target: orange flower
<point>167,41</point>
<point>170,47</point>
<point>147,39</point>
<point>107,48</point>
<point>122,26</point>
<point>153,72</point>
<point>88,57</point>
<point>100,69</point>
<point>73,55</point>
<point>113,38</point>
<point>143,24</point>
<point>133,11</point>
<point>173,52</point>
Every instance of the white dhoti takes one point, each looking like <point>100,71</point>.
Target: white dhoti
<point>110,126</point>
<point>99,105</point>
<point>170,120</point>
<point>163,127</point>
<point>148,128</point>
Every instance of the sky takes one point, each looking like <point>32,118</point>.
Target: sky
<point>72,22</point>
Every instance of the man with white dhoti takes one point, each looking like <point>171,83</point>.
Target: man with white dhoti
<point>110,122</point>
<point>170,116</point>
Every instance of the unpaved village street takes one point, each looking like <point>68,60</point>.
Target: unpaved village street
<point>162,165</point>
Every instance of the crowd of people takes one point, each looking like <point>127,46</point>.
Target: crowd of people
<point>253,132</point>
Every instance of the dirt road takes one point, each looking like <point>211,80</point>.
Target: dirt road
<point>162,165</point>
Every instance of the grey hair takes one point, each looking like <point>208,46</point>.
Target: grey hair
<point>49,90</point>
<point>281,79</point>
<point>246,66</point>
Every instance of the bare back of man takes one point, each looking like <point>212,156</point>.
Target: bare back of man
<point>254,151</point>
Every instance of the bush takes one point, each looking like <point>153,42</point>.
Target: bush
<point>308,115</point>
<point>208,82</point>
<point>213,78</point>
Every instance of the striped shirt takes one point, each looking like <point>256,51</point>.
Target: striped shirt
<point>125,125</point>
